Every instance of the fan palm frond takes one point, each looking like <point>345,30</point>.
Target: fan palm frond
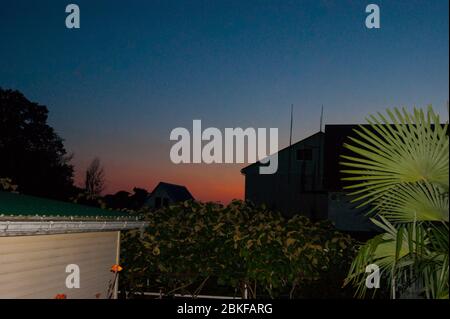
<point>406,203</point>
<point>400,167</point>
<point>412,149</point>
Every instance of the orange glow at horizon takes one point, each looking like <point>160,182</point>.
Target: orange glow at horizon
<point>216,183</point>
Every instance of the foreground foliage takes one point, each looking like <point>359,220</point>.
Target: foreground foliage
<point>400,168</point>
<point>6,185</point>
<point>244,249</point>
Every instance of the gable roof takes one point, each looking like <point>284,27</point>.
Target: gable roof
<point>21,206</point>
<point>178,193</point>
<point>243,170</point>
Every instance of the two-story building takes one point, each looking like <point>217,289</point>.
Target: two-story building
<point>308,181</point>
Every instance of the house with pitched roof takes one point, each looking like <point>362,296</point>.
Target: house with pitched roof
<point>308,181</point>
<point>166,194</point>
<point>297,186</point>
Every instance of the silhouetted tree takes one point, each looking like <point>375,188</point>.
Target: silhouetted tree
<point>119,200</point>
<point>31,153</point>
<point>138,199</point>
<point>123,199</point>
<point>95,179</point>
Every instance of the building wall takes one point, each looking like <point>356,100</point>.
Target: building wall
<point>163,198</point>
<point>346,216</point>
<point>35,266</point>
<point>297,186</point>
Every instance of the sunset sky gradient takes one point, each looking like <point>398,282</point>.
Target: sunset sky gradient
<point>138,69</point>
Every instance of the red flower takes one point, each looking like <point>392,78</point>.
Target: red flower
<point>116,268</point>
<point>61,296</point>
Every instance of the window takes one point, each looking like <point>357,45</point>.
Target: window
<point>165,202</point>
<point>304,154</point>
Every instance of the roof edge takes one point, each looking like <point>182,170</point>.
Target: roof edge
<point>30,228</point>
<point>283,149</point>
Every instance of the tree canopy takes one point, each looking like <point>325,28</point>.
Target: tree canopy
<point>32,155</point>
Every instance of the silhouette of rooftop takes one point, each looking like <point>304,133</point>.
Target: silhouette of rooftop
<point>178,193</point>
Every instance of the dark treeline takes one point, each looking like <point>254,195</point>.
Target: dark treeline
<point>33,156</point>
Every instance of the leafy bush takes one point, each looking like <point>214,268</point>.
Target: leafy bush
<point>192,245</point>
<point>6,185</point>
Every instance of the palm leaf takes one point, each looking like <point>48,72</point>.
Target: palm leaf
<point>400,167</point>
<point>412,149</point>
<point>406,203</point>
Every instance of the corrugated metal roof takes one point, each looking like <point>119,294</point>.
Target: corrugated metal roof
<point>18,205</point>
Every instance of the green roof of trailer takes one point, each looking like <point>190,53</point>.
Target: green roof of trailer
<point>18,205</point>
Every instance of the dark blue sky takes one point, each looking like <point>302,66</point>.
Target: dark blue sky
<point>137,69</point>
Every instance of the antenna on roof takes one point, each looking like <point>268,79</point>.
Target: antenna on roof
<point>290,143</point>
<point>321,119</point>
<point>290,133</point>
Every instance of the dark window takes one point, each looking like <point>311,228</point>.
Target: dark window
<point>165,202</point>
<point>304,155</point>
<point>157,202</point>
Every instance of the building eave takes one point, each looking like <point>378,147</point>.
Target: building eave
<point>49,227</point>
<point>243,170</point>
